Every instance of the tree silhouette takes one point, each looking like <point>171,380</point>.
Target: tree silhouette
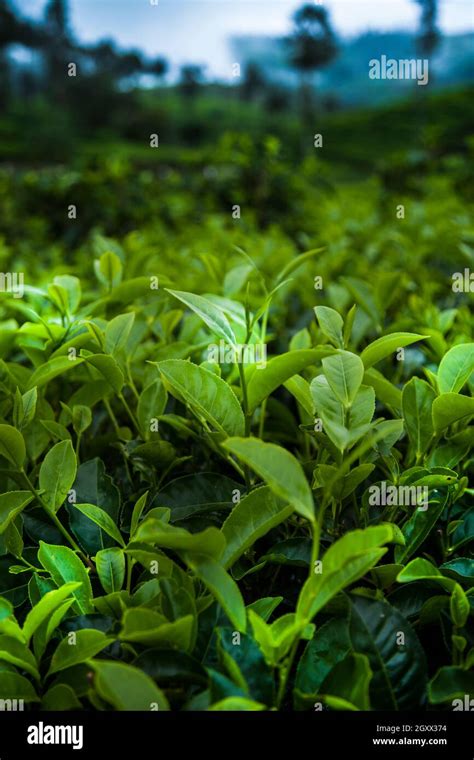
<point>129,64</point>
<point>58,47</point>
<point>104,55</point>
<point>56,18</point>
<point>312,45</point>
<point>429,34</point>
<point>158,67</point>
<point>13,30</point>
<point>17,30</point>
<point>190,79</point>
<point>253,82</point>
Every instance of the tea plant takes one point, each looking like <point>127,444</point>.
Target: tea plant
<point>283,523</point>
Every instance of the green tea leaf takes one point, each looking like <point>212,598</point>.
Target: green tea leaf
<point>29,401</point>
<point>279,469</point>
<point>72,287</point>
<point>344,372</point>
<point>279,369</point>
<point>81,418</point>
<point>207,394</point>
<point>252,518</point>
<point>451,684</point>
<point>137,513</point>
<point>214,317</point>
<point>329,645</point>
<point>347,560</point>
<point>300,389</point>
<point>246,665</point>
<point>387,345</point>
<point>236,704</point>
<point>102,519</point>
<point>221,585</point>
<point>59,698</point>
<point>48,627</point>
<point>209,542</point>
<point>65,567</point>
<point>110,564</point>
<point>331,324</point>
<point>117,333</point>
<point>53,368</point>
<point>12,446</point>
<point>395,654</point>
<point>459,606</point>
<point>57,474</point>
<point>127,688</point>
<point>14,686</point>
<point>348,683</point>
<point>417,402</point>
<point>151,405</point>
<point>45,607</point>
<point>450,408</point>
<point>386,392</point>
<point>418,527</point>
<point>197,494</point>
<point>421,569</point>
<point>17,653</point>
<point>455,368</point>
<point>12,504</point>
<point>109,369</point>
<point>296,263</point>
<point>153,629</point>
<point>108,269</point>
<point>93,486</point>
<point>461,569</point>
<point>84,645</point>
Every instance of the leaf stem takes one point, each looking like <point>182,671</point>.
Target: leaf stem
<point>78,448</point>
<point>131,382</point>
<point>262,419</point>
<point>57,522</point>
<point>285,672</point>
<point>112,416</point>
<point>248,419</point>
<point>129,412</point>
<point>130,564</point>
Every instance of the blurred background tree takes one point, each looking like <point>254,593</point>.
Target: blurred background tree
<point>191,77</point>
<point>312,46</point>
<point>118,93</point>
<point>253,83</point>
<point>429,35</point>
<point>57,47</point>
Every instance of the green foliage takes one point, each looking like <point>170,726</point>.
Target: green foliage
<point>186,482</point>
<point>180,531</point>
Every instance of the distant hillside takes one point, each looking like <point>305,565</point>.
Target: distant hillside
<point>347,77</point>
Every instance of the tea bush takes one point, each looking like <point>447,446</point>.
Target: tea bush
<point>234,452</point>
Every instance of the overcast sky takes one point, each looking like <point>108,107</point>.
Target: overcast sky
<point>198,30</point>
